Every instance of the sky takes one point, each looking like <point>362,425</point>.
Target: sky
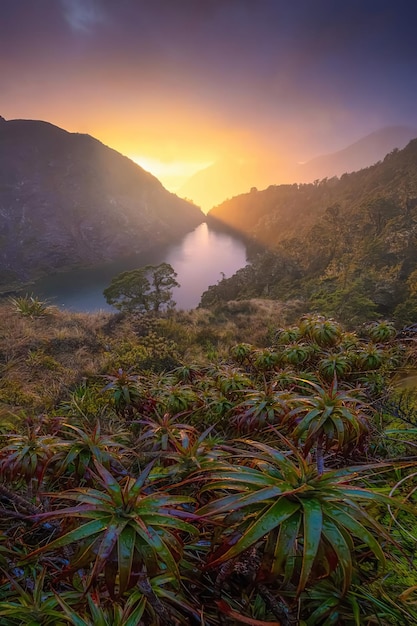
<point>179,84</point>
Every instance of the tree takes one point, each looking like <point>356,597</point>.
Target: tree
<point>147,288</point>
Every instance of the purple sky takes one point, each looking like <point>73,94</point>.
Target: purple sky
<point>193,80</point>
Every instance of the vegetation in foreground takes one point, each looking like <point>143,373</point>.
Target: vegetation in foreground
<point>164,470</point>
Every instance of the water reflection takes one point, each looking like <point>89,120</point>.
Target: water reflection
<point>200,259</point>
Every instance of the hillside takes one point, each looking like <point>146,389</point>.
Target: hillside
<point>227,177</point>
<point>363,153</point>
<point>346,247</point>
<point>66,199</point>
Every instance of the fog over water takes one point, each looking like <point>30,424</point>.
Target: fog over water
<point>199,259</point>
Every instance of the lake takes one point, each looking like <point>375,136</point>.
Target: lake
<point>199,259</point>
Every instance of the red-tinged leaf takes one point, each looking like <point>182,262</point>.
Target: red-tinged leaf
<point>313,524</point>
<point>155,501</point>
<point>135,617</point>
<point>237,501</point>
<point>167,521</point>
<point>154,541</point>
<point>106,546</point>
<point>225,545</point>
<point>270,519</point>
<point>82,510</point>
<point>242,477</point>
<point>76,620</point>
<point>227,610</point>
<point>139,483</point>
<point>109,482</point>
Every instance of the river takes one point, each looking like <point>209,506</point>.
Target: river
<point>199,259</point>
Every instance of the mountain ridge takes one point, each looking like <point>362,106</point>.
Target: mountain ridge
<point>360,154</point>
<point>228,178</point>
<point>66,200</point>
<point>346,247</point>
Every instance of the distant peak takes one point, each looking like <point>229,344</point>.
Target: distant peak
<point>2,119</point>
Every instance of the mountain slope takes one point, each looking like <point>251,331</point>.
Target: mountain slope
<point>362,153</point>
<point>346,247</point>
<point>66,199</point>
<point>228,178</point>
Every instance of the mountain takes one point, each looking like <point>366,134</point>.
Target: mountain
<point>68,200</point>
<point>346,247</point>
<point>362,153</point>
<point>227,178</point>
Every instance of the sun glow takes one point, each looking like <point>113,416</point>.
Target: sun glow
<point>172,174</point>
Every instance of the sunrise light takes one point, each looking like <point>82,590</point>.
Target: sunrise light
<point>172,174</point>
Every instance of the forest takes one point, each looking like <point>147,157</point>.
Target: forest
<point>223,466</point>
<point>341,247</point>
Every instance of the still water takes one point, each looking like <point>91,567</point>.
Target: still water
<point>199,259</point>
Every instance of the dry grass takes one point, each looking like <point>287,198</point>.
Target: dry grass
<point>42,359</point>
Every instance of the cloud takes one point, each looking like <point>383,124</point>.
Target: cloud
<point>83,15</point>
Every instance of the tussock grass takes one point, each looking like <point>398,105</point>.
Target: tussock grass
<point>43,358</point>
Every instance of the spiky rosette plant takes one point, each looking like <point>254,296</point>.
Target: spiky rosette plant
<point>127,527</point>
<point>242,353</point>
<point>296,353</point>
<point>81,448</point>
<point>324,332</point>
<point>124,390</point>
<point>329,417</point>
<point>25,457</point>
<point>30,602</point>
<point>332,365</point>
<point>261,407</point>
<point>283,336</point>
<point>304,526</point>
<point>369,357</point>
<point>381,332</point>
<point>266,359</point>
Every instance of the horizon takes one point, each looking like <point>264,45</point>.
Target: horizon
<point>178,88</point>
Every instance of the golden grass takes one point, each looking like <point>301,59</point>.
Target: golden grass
<point>43,359</point>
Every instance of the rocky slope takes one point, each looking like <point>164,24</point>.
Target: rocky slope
<point>66,200</point>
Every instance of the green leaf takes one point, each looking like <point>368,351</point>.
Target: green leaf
<point>126,549</point>
<point>288,533</point>
<point>154,541</point>
<point>272,518</point>
<point>76,620</point>
<point>107,544</point>
<point>313,524</point>
<point>345,520</point>
<point>343,551</point>
<point>136,615</point>
<point>237,501</point>
<point>326,608</point>
<point>78,534</point>
<point>169,521</point>
<point>110,483</point>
